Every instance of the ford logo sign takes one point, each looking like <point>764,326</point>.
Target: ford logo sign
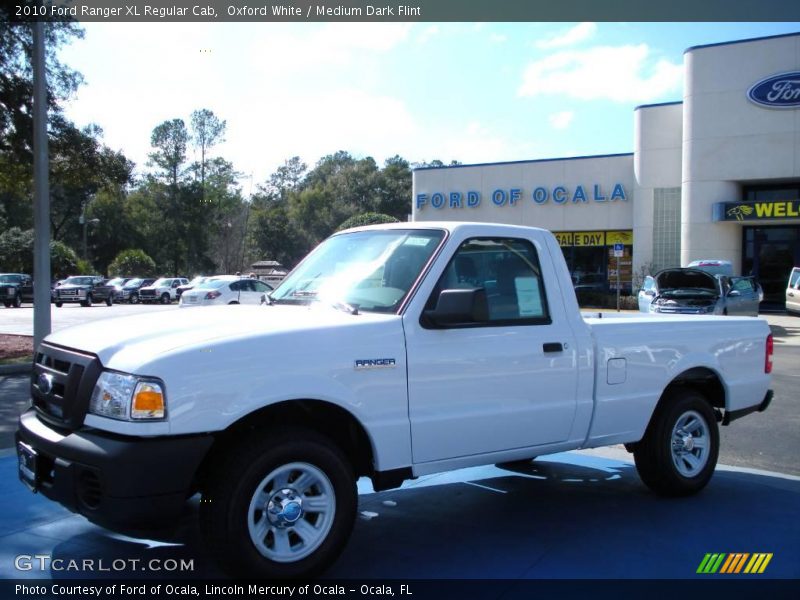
<point>45,383</point>
<point>778,91</point>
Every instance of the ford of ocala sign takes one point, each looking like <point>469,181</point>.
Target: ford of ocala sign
<point>778,91</point>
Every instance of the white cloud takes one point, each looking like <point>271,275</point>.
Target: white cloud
<point>498,38</point>
<point>428,33</point>
<point>580,32</point>
<point>621,74</point>
<point>561,120</point>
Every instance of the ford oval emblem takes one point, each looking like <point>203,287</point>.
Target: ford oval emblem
<point>778,91</point>
<point>45,383</point>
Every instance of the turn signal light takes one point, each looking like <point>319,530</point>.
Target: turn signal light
<point>148,401</point>
<point>768,357</point>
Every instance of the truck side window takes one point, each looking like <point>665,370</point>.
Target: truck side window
<point>508,269</point>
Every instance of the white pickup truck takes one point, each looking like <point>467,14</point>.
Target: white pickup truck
<point>390,352</point>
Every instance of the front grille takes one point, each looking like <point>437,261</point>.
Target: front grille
<point>67,293</point>
<point>62,384</point>
<point>147,293</point>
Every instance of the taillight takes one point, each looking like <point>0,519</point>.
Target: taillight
<point>768,356</point>
<point>216,294</point>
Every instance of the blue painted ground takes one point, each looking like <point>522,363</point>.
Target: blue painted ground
<point>569,515</point>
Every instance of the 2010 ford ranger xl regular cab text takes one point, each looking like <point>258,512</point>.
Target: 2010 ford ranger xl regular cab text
<point>390,352</point>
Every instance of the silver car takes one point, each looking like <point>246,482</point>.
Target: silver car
<point>793,292</point>
<point>696,292</point>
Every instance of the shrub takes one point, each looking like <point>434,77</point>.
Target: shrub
<point>369,218</point>
<point>132,262</point>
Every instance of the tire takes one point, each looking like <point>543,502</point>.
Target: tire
<point>88,301</point>
<point>289,540</point>
<point>134,299</point>
<point>59,304</point>
<point>165,299</point>
<point>7,304</point>
<point>684,425</point>
<point>110,300</point>
<point>17,302</point>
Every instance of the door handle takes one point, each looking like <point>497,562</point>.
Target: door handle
<point>553,347</point>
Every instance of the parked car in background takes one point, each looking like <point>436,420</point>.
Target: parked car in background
<point>163,290</point>
<point>192,284</point>
<point>693,291</point>
<point>793,292</point>
<point>15,288</point>
<point>130,291</point>
<point>117,283</point>
<point>647,293</point>
<point>227,289</point>
<point>714,266</point>
<point>84,289</point>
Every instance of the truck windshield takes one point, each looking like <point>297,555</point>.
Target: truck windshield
<point>369,270</point>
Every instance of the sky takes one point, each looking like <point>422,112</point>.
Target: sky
<point>471,92</point>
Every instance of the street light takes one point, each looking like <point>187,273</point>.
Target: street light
<point>82,220</point>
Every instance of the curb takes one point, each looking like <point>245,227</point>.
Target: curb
<point>16,369</point>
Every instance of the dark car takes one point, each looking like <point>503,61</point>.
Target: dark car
<point>84,289</point>
<point>118,283</point>
<point>130,291</point>
<point>15,288</point>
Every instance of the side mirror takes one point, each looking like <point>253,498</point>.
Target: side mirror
<point>459,307</point>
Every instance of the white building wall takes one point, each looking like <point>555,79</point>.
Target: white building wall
<point>604,171</point>
<point>728,140</point>
<point>658,140</point>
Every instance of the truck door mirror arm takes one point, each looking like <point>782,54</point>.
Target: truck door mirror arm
<point>458,307</point>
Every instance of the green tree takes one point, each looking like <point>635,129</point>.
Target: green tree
<point>132,262</point>
<point>63,261</point>
<point>16,250</point>
<point>169,140</point>
<point>207,131</point>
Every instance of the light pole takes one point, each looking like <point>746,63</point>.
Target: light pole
<point>82,220</point>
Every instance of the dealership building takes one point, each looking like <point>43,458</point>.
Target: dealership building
<point>716,176</point>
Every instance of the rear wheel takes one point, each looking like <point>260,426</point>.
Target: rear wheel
<point>679,450</point>
<point>279,505</point>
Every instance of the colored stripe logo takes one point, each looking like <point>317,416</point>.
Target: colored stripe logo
<point>734,563</point>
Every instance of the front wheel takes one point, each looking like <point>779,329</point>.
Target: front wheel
<point>109,300</point>
<point>17,301</point>
<point>165,299</point>
<point>59,304</point>
<point>279,505</point>
<point>679,450</point>
<point>134,298</point>
<point>89,300</point>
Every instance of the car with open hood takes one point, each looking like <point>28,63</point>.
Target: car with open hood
<point>697,292</point>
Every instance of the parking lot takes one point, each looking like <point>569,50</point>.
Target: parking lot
<point>488,522</point>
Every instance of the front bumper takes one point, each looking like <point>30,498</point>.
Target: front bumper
<point>119,482</point>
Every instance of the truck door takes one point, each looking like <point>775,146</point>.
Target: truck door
<point>505,382</point>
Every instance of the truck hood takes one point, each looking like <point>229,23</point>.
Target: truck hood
<point>125,342</point>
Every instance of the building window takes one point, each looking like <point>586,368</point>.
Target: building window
<point>666,228</point>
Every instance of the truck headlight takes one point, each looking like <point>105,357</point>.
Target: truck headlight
<point>128,398</point>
